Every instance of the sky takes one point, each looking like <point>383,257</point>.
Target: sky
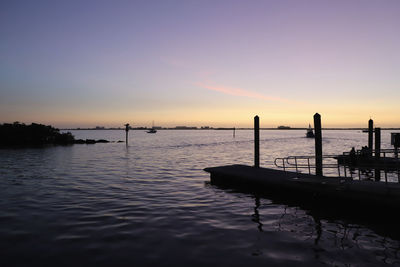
<point>200,63</point>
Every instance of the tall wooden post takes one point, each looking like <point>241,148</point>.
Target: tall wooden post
<point>377,153</point>
<point>370,135</point>
<point>396,153</point>
<point>318,144</point>
<point>256,142</point>
<point>234,132</point>
<point>126,132</point>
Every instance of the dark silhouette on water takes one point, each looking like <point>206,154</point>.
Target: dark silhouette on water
<point>310,133</point>
<point>377,152</point>
<point>362,159</point>
<point>256,142</point>
<point>396,144</point>
<point>152,129</point>
<point>352,155</point>
<point>343,192</point>
<point>19,134</point>
<point>126,132</point>
<point>370,135</point>
<point>370,161</point>
<point>318,144</point>
<point>22,135</point>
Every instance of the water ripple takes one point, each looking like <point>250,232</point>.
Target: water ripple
<point>149,203</point>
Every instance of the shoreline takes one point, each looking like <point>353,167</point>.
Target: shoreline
<point>229,129</point>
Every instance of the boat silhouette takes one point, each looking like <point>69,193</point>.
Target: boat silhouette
<point>310,132</point>
<point>152,130</point>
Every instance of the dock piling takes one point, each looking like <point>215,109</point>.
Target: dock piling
<point>370,135</point>
<point>126,133</point>
<point>256,142</point>
<point>318,144</point>
<point>377,152</point>
<point>396,154</point>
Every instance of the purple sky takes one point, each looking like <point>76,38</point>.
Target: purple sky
<point>217,63</point>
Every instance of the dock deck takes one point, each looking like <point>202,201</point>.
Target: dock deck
<point>332,189</point>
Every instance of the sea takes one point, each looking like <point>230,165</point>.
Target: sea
<point>149,202</point>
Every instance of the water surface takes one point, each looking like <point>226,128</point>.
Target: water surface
<point>150,203</point>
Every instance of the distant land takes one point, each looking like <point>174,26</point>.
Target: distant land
<point>22,135</point>
<point>214,128</point>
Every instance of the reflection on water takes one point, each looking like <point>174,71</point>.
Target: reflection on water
<point>333,241</point>
<point>148,204</point>
<point>256,215</point>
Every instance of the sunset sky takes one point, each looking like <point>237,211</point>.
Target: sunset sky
<point>216,63</point>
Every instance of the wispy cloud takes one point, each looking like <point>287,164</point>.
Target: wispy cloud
<point>241,92</point>
<point>204,75</point>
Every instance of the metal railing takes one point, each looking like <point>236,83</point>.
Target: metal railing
<point>383,152</point>
<point>345,168</point>
<point>304,162</point>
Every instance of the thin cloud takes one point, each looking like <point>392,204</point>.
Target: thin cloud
<point>242,92</point>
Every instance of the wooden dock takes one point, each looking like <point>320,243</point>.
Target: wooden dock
<point>364,195</point>
<point>338,190</point>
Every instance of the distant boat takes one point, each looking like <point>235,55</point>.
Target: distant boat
<point>310,132</point>
<point>152,130</point>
